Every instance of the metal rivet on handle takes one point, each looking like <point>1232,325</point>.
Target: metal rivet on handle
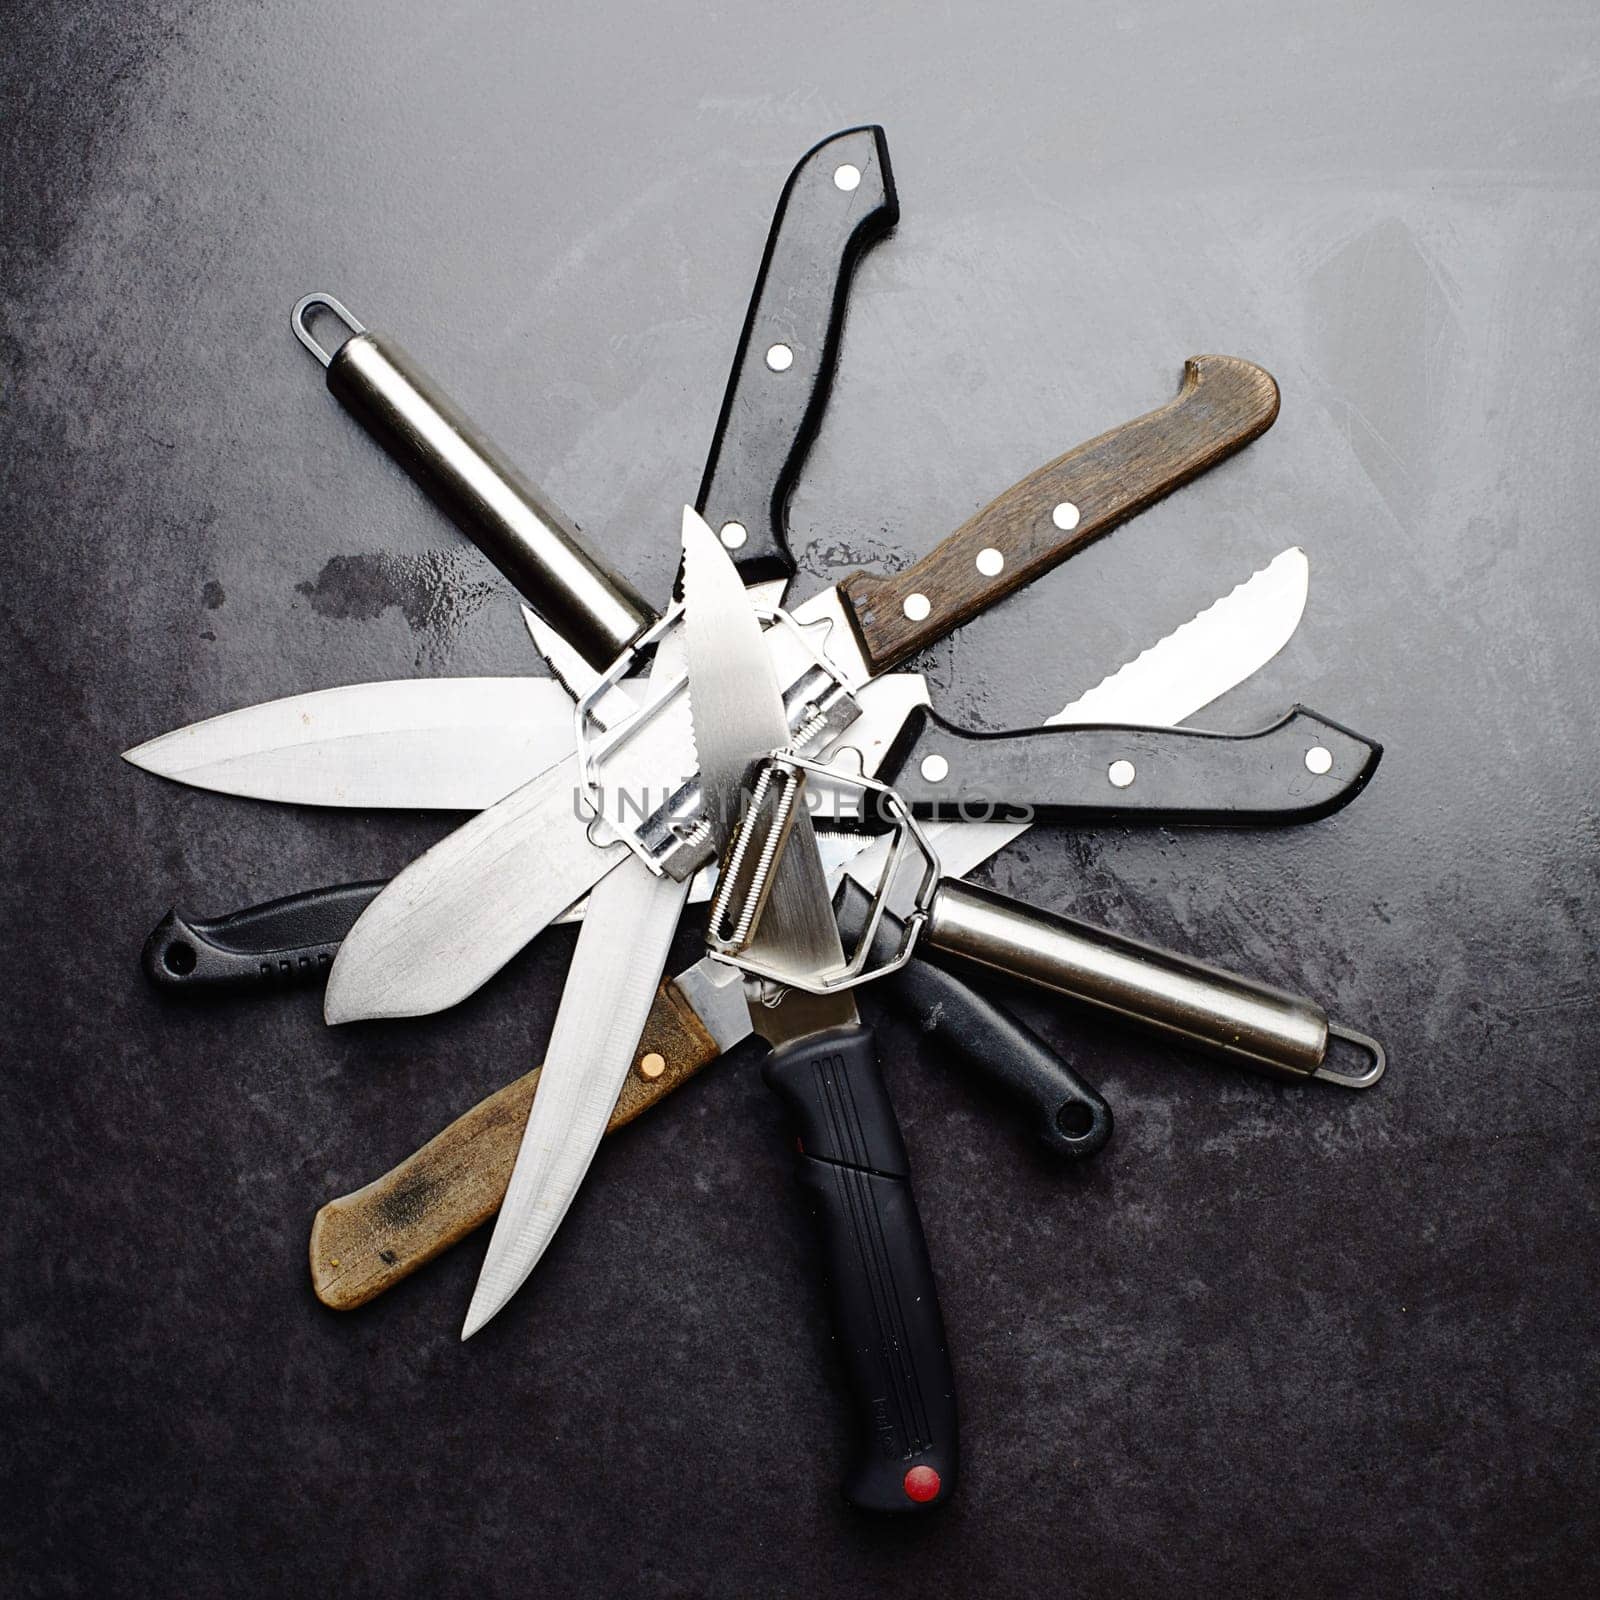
<point>1319,760</point>
<point>1065,516</point>
<point>780,357</point>
<point>917,607</point>
<point>734,534</point>
<point>1121,774</point>
<point>990,562</point>
<point>846,177</point>
<point>935,769</point>
<point>652,1065</point>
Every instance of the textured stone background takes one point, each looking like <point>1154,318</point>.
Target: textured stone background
<point>1277,1340</point>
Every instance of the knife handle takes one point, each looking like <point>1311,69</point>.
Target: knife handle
<point>531,541</point>
<point>1222,405</point>
<point>1066,1114</point>
<point>273,946</point>
<point>367,1241</point>
<point>886,1319</point>
<point>1302,767</point>
<point>839,200</point>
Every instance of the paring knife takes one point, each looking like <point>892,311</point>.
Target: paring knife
<point>457,914</point>
<point>365,1242</point>
<point>851,1159</point>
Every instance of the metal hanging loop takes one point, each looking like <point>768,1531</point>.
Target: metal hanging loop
<point>300,321</point>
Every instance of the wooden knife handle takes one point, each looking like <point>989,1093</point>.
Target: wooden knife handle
<point>1222,405</point>
<point>367,1241</point>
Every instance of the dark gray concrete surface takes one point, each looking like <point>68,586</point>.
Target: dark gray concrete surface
<point>1277,1341</point>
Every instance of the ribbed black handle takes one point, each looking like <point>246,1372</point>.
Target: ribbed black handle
<point>1061,1110</point>
<point>839,199</point>
<point>284,942</point>
<point>886,1317</point>
<point>1301,767</point>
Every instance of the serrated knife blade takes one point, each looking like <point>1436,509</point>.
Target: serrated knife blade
<point>1179,675</point>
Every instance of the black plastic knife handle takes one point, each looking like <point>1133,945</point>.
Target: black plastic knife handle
<point>292,941</point>
<point>283,942</point>
<point>839,199</point>
<point>1301,767</point>
<point>886,1319</point>
<point>1061,1110</point>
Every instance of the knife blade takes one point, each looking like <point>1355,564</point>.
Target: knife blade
<point>365,1242</point>
<point>824,1066</point>
<point>610,988</point>
<point>456,915</point>
<point>446,744</point>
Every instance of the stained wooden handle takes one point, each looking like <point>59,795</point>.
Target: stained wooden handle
<point>367,1241</point>
<point>1222,405</point>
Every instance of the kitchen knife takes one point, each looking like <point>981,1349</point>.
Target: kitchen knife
<point>456,915</point>
<point>1301,767</point>
<point>851,1159</point>
<point>365,1242</point>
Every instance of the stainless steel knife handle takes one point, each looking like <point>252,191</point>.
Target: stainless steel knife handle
<point>531,541</point>
<point>1238,1019</point>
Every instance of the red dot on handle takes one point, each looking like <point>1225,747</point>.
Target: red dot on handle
<point>922,1483</point>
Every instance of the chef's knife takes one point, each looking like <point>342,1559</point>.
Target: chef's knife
<point>365,1242</point>
<point>824,1066</point>
<point>457,914</point>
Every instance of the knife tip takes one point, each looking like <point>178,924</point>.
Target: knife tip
<point>477,1315</point>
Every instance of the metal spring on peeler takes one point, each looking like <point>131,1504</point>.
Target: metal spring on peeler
<point>730,873</point>
<point>808,730</point>
<point>758,879</point>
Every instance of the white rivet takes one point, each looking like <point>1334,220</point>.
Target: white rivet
<point>846,177</point>
<point>734,534</point>
<point>1120,773</point>
<point>935,769</point>
<point>917,606</point>
<point>990,562</point>
<point>780,357</point>
<point>1319,760</point>
<point>1065,516</point>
